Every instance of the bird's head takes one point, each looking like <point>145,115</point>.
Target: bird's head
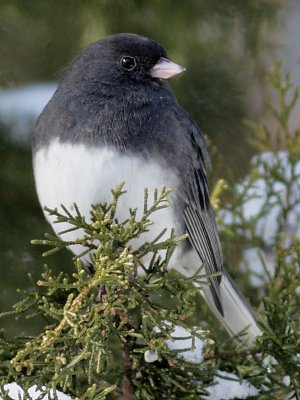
<point>120,60</point>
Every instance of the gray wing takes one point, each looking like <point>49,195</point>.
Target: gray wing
<point>198,214</point>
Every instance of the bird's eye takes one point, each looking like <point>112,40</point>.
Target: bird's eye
<point>128,63</point>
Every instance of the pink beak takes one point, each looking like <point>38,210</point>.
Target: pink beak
<point>165,69</point>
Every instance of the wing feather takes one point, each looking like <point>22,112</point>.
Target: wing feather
<point>199,217</point>
<point>203,237</point>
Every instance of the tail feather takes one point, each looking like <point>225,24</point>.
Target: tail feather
<point>237,313</point>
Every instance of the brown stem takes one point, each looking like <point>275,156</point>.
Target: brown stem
<point>127,387</point>
<point>224,356</point>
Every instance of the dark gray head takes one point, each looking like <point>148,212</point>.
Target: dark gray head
<point>101,90</point>
<point>121,59</point>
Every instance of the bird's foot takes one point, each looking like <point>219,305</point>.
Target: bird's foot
<point>101,293</point>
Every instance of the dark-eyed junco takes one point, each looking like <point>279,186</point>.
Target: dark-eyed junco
<point>114,118</point>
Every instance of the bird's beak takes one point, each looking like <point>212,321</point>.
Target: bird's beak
<point>165,69</point>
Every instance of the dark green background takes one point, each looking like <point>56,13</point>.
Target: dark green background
<point>226,47</point>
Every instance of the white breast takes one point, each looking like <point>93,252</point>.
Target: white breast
<point>67,174</point>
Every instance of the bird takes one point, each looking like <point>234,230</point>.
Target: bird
<point>113,119</point>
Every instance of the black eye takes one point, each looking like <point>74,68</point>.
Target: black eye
<point>128,63</point>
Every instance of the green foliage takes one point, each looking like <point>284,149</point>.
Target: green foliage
<point>91,346</point>
<point>283,137</point>
<point>273,232</point>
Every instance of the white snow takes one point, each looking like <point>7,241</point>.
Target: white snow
<point>150,356</point>
<point>182,339</point>
<point>20,107</point>
<point>259,200</point>
<point>223,388</point>
<point>17,393</point>
<point>232,388</point>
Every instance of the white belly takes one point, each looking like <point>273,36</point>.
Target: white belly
<point>67,174</point>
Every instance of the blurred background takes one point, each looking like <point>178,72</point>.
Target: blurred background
<point>227,48</point>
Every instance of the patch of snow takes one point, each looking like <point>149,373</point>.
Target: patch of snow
<point>260,200</point>
<point>17,393</point>
<point>20,107</point>
<point>191,346</point>
<point>182,340</point>
<point>228,386</point>
<point>150,356</point>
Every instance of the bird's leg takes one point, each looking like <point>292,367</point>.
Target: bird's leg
<point>101,292</point>
<point>101,288</point>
